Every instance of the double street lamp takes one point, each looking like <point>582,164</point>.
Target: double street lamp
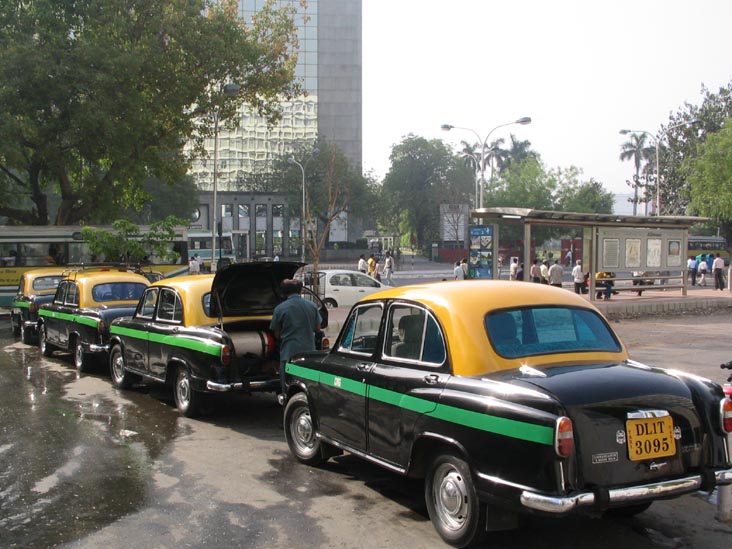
<point>657,143</point>
<point>447,127</point>
<point>303,228</point>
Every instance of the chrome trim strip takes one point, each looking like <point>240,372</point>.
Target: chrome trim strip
<point>362,455</point>
<point>503,482</point>
<point>95,348</point>
<point>218,387</point>
<point>553,504</point>
<point>647,414</point>
<point>723,477</point>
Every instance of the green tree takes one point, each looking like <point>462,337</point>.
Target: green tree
<point>127,243</point>
<point>161,200</point>
<point>709,177</point>
<point>635,149</point>
<point>424,174</point>
<point>574,195</point>
<point>98,95</point>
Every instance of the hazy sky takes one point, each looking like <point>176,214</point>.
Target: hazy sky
<point>582,70</point>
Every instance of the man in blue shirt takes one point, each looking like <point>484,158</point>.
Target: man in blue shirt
<point>294,322</point>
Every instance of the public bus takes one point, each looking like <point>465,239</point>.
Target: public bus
<point>709,245</point>
<point>28,247</point>
<point>199,242</point>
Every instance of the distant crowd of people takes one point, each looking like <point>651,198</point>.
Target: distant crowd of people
<point>374,268</point>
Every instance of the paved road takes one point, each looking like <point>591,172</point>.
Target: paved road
<point>84,465</point>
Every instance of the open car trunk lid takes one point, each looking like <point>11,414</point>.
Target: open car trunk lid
<point>250,289</point>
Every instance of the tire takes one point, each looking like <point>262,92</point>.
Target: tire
<point>26,335</point>
<point>300,431</point>
<point>628,511</point>
<point>82,361</point>
<point>121,378</point>
<point>45,347</point>
<point>187,400</point>
<point>330,303</point>
<point>452,501</point>
<point>15,328</point>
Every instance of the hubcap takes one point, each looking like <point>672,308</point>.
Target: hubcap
<point>79,356</point>
<point>451,497</point>
<point>184,388</point>
<point>118,366</point>
<point>302,430</point>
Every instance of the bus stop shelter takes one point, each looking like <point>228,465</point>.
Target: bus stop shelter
<point>610,242</point>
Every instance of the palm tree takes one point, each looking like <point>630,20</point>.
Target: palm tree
<point>635,149</point>
<point>518,150</point>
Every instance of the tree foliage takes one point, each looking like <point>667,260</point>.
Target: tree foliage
<point>98,95</point>
<point>709,177</point>
<point>424,174</point>
<point>127,243</point>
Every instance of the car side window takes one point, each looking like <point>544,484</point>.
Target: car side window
<point>72,294</point>
<point>340,280</point>
<point>146,308</point>
<point>170,308</point>
<point>60,293</point>
<point>362,330</point>
<point>414,335</point>
<point>365,281</point>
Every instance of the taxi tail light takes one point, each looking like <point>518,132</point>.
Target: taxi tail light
<point>226,355</point>
<point>726,414</point>
<point>564,437</point>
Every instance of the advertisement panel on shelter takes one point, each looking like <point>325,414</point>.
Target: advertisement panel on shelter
<point>481,251</point>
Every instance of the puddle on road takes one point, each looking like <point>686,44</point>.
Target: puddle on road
<point>75,455</point>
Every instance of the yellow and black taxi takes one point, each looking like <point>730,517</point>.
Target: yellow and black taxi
<point>505,397</point>
<point>36,287</point>
<point>203,334</point>
<point>84,305</point>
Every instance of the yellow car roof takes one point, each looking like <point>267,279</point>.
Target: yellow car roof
<point>192,289</point>
<point>461,308</point>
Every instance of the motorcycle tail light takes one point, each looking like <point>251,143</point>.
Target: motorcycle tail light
<point>726,414</point>
<point>564,437</point>
<point>226,355</point>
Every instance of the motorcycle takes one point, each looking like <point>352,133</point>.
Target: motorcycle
<point>727,386</point>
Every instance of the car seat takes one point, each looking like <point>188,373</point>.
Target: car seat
<point>502,329</point>
<point>410,327</point>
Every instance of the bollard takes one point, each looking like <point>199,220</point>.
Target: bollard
<point>724,495</point>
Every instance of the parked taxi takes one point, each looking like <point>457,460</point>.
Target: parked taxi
<point>505,397</point>
<point>36,287</point>
<point>85,303</point>
<point>203,334</point>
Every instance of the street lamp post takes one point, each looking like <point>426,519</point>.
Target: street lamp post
<point>292,160</point>
<point>230,90</point>
<point>657,143</point>
<point>447,127</point>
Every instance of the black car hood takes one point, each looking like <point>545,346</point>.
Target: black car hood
<point>249,289</point>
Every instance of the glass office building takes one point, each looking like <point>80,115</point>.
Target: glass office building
<point>329,69</point>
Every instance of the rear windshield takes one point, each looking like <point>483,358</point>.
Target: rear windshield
<point>43,283</point>
<point>534,331</point>
<point>118,291</point>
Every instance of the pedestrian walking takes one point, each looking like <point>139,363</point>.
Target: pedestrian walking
<point>555,274</point>
<point>371,265</point>
<point>702,272</point>
<point>692,265</point>
<point>458,272</point>
<point>388,269</point>
<point>520,272</point>
<point>578,277</point>
<point>718,272</point>
<point>535,271</point>
<point>295,323</point>
<point>194,266</point>
<point>513,269</point>
<point>544,272</point>
<point>466,269</point>
<point>362,266</point>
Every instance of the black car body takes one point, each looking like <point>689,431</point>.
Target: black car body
<point>505,397</point>
<point>84,305</point>
<point>204,334</point>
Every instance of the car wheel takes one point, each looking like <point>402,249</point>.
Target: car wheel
<point>81,359</point>
<point>43,344</point>
<point>121,378</point>
<point>26,335</point>
<point>330,303</point>
<point>300,431</point>
<point>187,400</point>
<point>452,501</point>
<point>629,510</point>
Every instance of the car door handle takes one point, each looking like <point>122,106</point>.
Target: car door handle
<point>431,379</point>
<point>364,367</point>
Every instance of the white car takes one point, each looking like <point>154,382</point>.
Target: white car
<point>342,288</point>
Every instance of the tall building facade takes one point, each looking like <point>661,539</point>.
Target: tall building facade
<point>329,69</point>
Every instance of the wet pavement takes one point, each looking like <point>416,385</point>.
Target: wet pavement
<point>84,465</point>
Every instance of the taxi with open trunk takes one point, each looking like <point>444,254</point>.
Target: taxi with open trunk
<point>505,397</point>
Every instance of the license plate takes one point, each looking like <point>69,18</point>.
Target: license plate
<point>650,438</point>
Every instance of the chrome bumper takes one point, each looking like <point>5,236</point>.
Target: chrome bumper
<point>95,348</point>
<point>248,386</point>
<point>616,496</point>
